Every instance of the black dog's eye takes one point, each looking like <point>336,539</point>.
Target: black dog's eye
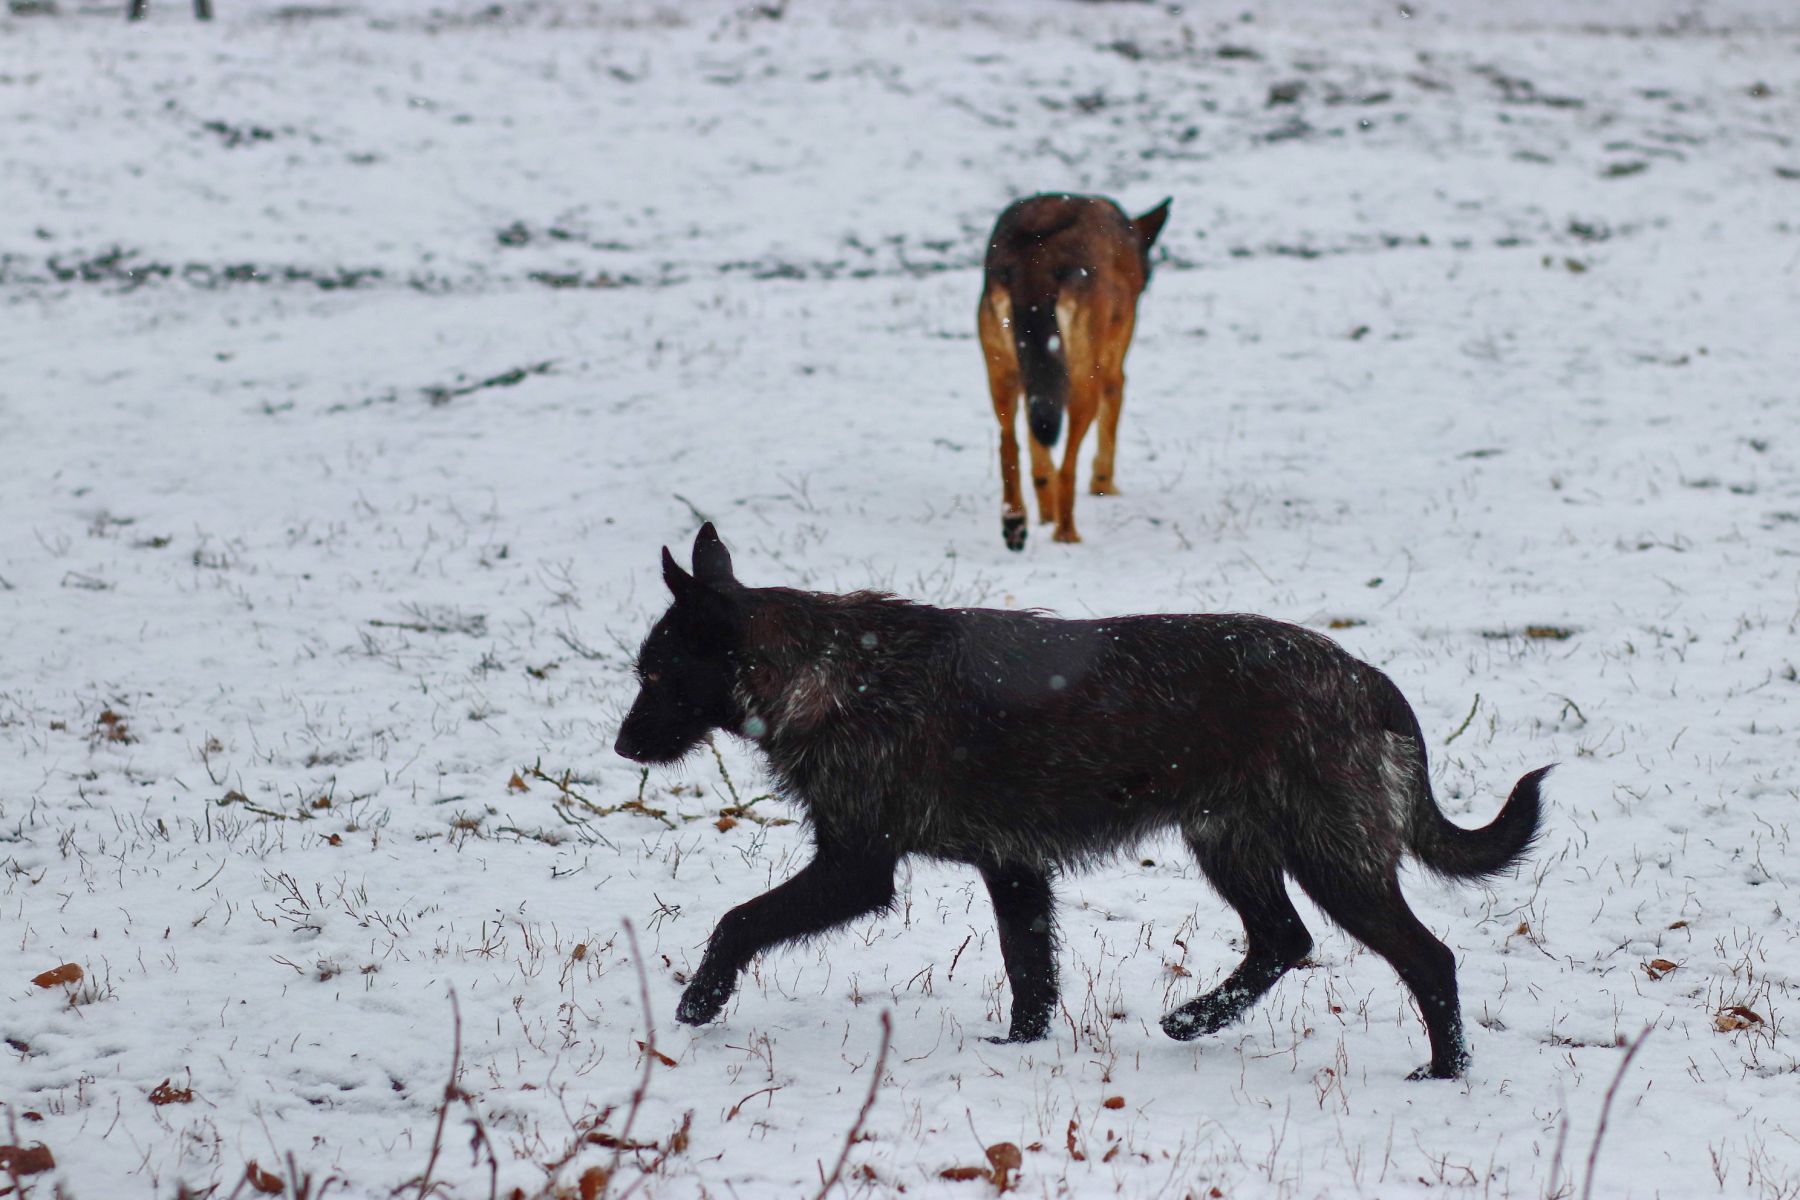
<point>653,677</point>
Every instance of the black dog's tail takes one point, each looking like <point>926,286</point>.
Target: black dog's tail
<point>1451,850</point>
<point>1043,369</point>
<point>1445,847</point>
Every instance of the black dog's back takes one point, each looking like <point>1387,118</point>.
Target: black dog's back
<point>1020,743</point>
<point>1061,741</point>
<point>1022,737</point>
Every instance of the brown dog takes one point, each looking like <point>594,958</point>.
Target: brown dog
<point>1058,304</point>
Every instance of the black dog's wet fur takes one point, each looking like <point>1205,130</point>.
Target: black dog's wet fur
<point>1021,744</point>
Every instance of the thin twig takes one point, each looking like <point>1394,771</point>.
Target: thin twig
<point>569,794</point>
<point>887,1033</point>
<point>580,647</point>
<point>723,773</point>
<point>12,1167</point>
<point>450,1093</point>
<point>1587,1183</point>
<point>1555,1190</point>
<point>301,1183</point>
<point>676,1144</point>
<point>643,1086</point>
<point>698,515</point>
<point>480,1141</point>
<point>1466,720</point>
<point>536,771</point>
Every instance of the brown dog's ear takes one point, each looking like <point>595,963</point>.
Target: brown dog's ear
<point>712,561</point>
<point>1150,224</point>
<point>679,581</point>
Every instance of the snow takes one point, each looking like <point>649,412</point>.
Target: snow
<point>358,359</point>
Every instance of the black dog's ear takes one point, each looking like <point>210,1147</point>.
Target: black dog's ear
<point>712,561</point>
<point>1150,224</point>
<point>679,581</point>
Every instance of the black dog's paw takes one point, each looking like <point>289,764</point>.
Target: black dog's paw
<point>1018,1036</point>
<point>1435,1070</point>
<point>701,1002</point>
<point>1195,1019</point>
<point>1181,1026</point>
<point>1012,528</point>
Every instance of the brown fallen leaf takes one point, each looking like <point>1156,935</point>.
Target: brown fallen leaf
<point>1113,1102</point>
<point>1735,1017</point>
<point>580,951</point>
<point>1656,968</point>
<point>1004,1158</point>
<point>166,1093</point>
<point>662,1058</point>
<point>592,1184</point>
<point>1074,1150</point>
<point>678,1141</point>
<point>112,727</point>
<point>263,1181</point>
<point>26,1160</point>
<point>724,823</point>
<point>516,784</point>
<point>67,973</point>
<point>963,1174</point>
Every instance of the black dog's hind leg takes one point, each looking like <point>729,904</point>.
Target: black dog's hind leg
<point>835,887</point>
<point>1025,909</point>
<point>1376,914</point>
<point>1276,940</point>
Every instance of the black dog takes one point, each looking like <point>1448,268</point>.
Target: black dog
<point>1019,744</point>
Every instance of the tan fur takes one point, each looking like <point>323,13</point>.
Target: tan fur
<point>995,327</point>
<point>1096,310</point>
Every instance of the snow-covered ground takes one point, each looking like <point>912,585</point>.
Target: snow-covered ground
<point>356,360</point>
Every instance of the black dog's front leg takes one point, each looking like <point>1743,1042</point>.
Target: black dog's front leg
<point>1024,908</point>
<point>838,885</point>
